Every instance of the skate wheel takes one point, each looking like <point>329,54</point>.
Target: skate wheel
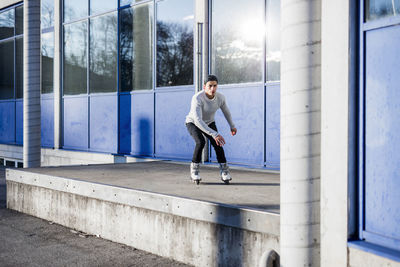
<point>226,182</point>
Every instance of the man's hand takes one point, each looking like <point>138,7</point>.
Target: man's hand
<point>233,131</point>
<point>219,140</point>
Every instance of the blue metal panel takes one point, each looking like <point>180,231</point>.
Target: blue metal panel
<point>103,123</point>
<point>47,120</point>
<point>7,122</point>
<point>125,123</point>
<point>246,104</point>
<point>142,124</point>
<point>382,142</point>
<point>19,121</point>
<point>172,139</point>
<point>272,126</point>
<point>75,122</point>
<point>137,123</point>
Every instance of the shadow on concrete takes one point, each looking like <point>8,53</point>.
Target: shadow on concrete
<point>244,184</point>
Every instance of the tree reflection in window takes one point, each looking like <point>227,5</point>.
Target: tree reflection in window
<point>136,41</point>
<point>175,43</point>
<point>382,8</point>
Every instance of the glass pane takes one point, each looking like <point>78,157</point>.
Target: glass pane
<point>75,9</point>
<point>103,54</point>
<point>175,20</point>
<point>273,34</point>
<point>382,8</point>
<point>47,13</point>
<point>7,70</point>
<point>237,40</point>
<point>19,68</point>
<point>7,24</point>
<point>75,58</point>
<point>47,62</point>
<point>19,20</point>
<point>136,41</point>
<point>129,2</point>
<point>101,6</point>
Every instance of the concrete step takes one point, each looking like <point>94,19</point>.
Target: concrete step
<point>193,231</point>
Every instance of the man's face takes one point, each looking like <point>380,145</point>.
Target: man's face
<point>210,88</point>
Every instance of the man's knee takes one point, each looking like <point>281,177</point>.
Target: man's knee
<point>200,143</point>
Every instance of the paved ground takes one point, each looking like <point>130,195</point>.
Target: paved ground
<point>250,188</point>
<point>29,241</point>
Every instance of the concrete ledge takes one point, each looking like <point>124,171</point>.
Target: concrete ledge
<point>191,231</point>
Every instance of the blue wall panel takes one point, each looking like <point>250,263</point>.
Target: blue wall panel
<point>382,137</point>
<point>19,121</point>
<point>7,122</point>
<point>125,123</point>
<point>75,122</point>
<point>247,107</point>
<point>272,126</point>
<point>142,137</point>
<point>47,120</point>
<point>172,139</point>
<point>103,123</point>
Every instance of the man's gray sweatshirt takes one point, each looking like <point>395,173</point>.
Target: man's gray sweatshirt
<point>202,111</point>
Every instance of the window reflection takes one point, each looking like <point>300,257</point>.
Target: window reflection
<point>19,20</point>
<point>175,42</point>
<point>103,54</point>
<point>75,58</point>
<point>237,40</point>
<point>19,68</point>
<point>47,62</point>
<point>7,24</point>
<point>7,69</point>
<point>47,15</point>
<point>136,42</point>
<point>382,8</point>
<point>273,53</point>
<point>75,9</point>
<point>128,2</point>
<point>101,6</point>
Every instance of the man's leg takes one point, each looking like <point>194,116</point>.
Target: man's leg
<point>218,149</point>
<point>199,140</point>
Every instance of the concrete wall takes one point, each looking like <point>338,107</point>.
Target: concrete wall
<point>360,258</point>
<point>6,3</point>
<point>190,231</point>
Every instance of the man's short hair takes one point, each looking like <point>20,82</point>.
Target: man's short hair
<point>211,78</point>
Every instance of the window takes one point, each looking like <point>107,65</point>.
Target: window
<point>103,53</point>
<point>237,41</point>
<point>7,24</point>
<point>47,15</point>
<point>175,20</point>
<point>47,62</point>
<point>19,68</point>
<point>273,32</point>
<point>75,58</point>
<point>376,9</point>
<point>7,69</point>
<point>101,6</point>
<point>75,9</point>
<point>136,41</point>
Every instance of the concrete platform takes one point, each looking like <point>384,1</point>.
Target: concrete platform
<point>154,207</point>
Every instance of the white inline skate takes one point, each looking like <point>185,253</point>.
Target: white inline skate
<point>224,171</point>
<point>195,172</point>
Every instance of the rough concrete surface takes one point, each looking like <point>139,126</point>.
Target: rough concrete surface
<point>250,188</point>
<point>29,241</point>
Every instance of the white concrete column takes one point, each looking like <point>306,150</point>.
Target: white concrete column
<point>31,106</point>
<point>337,136</point>
<point>300,132</point>
<point>57,74</point>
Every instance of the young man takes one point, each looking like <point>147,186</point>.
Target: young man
<point>200,121</point>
